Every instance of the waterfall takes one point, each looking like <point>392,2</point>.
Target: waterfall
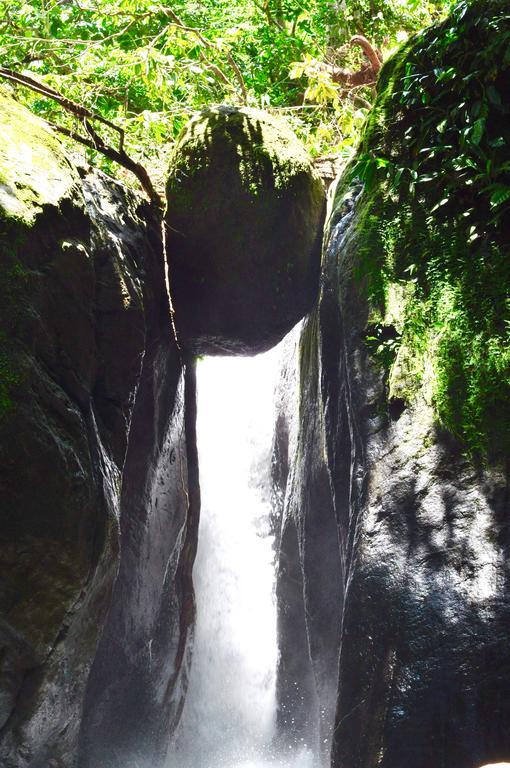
<point>229,715</point>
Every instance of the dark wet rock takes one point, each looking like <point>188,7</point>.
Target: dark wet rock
<point>308,585</point>
<point>424,663</point>
<point>59,505</point>
<point>85,343</point>
<point>396,530</point>
<point>393,562</point>
<point>245,213</point>
<point>139,678</point>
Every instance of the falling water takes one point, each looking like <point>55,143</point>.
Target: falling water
<point>229,714</point>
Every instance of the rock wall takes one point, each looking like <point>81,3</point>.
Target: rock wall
<point>98,463</point>
<point>394,567</point>
<point>88,366</point>
<point>308,584</point>
<point>139,677</point>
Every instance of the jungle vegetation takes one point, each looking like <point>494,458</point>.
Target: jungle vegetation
<point>146,65</point>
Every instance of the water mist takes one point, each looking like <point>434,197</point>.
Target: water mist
<point>229,714</point>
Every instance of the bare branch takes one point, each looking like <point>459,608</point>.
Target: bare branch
<point>96,143</point>
<point>71,106</point>
<point>217,71</point>
<point>367,75</point>
<point>266,10</point>
<point>239,76</point>
<point>369,51</point>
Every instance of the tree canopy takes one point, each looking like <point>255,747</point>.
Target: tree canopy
<point>146,65</point>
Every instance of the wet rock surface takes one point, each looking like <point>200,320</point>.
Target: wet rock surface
<point>308,583</point>
<point>393,571</point>
<point>394,552</point>
<point>82,349</point>
<point>244,231</point>
<point>138,681</point>
<point>424,664</point>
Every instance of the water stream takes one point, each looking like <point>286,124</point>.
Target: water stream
<point>229,714</point>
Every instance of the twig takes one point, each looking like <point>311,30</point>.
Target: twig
<point>77,109</point>
<point>118,156</point>
<point>166,263</point>
<point>267,12</point>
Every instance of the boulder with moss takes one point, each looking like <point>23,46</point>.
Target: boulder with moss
<point>396,505</point>
<point>244,231</point>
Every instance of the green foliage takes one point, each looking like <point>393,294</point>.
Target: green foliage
<point>383,341</point>
<point>436,168</point>
<point>147,65</point>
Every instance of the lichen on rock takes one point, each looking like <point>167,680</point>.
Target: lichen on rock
<point>33,169</point>
<point>244,217</point>
<point>34,172</point>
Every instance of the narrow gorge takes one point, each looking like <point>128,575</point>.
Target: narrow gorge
<point>254,448</point>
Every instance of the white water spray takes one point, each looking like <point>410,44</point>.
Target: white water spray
<point>229,714</point>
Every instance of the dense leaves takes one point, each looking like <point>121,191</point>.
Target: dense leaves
<point>436,165</point>
<point>147,65</point>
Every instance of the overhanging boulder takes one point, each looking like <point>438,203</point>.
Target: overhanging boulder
<point>244,230</point>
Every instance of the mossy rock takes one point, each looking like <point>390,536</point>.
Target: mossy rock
<point>72,333</point>
<point>34,171</point>
<point>244,225</point>
<point>434,220</point>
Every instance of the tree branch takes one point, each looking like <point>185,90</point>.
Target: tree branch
<point>369,51</point>
<point>121,157</point>
<point>94,140</point>
<point>367,75</point>
<point>71,106</point>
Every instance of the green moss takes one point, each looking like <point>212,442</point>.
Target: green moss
<point>245,216</point>
<point>33,168</point>
<point>435,217</point>
<point>34,175</point>
<point>263,149</point>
